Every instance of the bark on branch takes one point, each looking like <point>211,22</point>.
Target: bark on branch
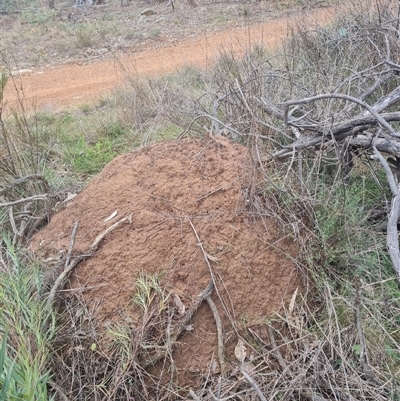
<point>392,241</point>
<point>381,121</point>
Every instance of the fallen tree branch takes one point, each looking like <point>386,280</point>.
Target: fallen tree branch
<point>392,241</point>
<point>386,101</point>
<point>389,146</point>
<point>381,121</point>
<point>351,126</point>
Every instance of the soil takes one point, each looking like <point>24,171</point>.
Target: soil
<point>175,191</point>
<point>83,75</point>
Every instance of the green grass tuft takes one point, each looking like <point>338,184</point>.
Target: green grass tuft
<point>27,327</point>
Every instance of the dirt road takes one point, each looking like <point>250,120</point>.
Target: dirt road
<point>55,88</point>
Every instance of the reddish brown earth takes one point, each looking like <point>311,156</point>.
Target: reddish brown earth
<point>72,84</point>
<point>173,191</point>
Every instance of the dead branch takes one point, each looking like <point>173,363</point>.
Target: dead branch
<point>194,396</point>
<point>28,199</point>
<point>217,318</point>
<point>392,241</point>
<point>207,259</point>
<point>275,349</point>
<point>350,127</point>
<point>386,101</point>
<point>382,144</point>
<point>101,236</point>
<point>180,326</point>
<point>253,384</point>
<point>70,262</point>
<point>381,121</point>
<point>67,266</point>
<point>214,309</point>
<point>363,358</point>
<point>205,254</point>
<point>212,118</point>
<point>389,175</point>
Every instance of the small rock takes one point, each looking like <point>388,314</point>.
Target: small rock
<point>147,12</point>
<point>21,72</point>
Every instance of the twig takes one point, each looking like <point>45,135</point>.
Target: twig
<point>209,193</point>
<point>29,199</point>
<point>217,318</point>
<point>183,133</point>
<point>361,337</point>
<point>68,267</point>
<point>194,396</point>
<point>206,258</point>
<point>253,384</point>
<point>189,314</point>
<point>71,243</point>
<point>60,392</point>
<point>13,225</point>
<point>100,237</point>
<point>313,396</point>
<point>275,349</point>
<point>180,326</point>
<point>22,180</point>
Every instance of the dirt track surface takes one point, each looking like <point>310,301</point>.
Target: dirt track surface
<point>71,84</point>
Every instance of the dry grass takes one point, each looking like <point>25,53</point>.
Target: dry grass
<point>306,357</point>
<point>338,341</point>
<point>25,194</point>
<point>111,366</point>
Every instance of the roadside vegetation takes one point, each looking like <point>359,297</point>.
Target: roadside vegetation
<point>35,35</point>
<point>340,339</point>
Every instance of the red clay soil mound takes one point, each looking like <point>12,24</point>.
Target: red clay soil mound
<point>178,193</point>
